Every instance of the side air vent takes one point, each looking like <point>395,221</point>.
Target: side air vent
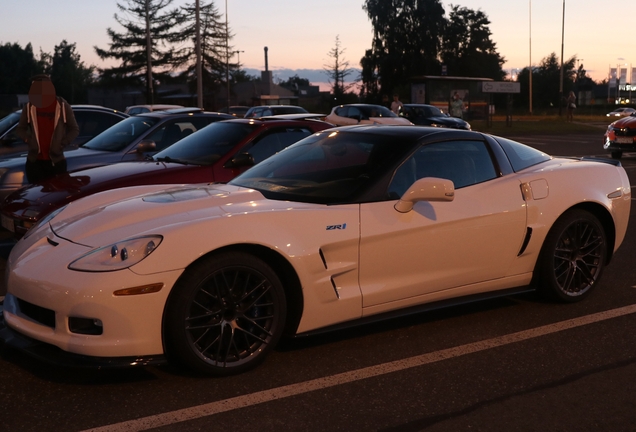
<point>322,257</point>
<point>525,241</point>
<point>335,288</point>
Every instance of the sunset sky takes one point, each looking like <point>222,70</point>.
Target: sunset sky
<point>300,34</point>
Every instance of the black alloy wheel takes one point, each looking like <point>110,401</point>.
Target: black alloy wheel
<point>573,256</point>
<point>225,314</point>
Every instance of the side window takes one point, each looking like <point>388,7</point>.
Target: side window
<point>171,132</point>
<point>464,162</point>
<point>93,123</point>
<point>276,141</point>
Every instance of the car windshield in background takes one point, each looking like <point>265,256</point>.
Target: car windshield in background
<point>7,122</point>
<point>207,145</point>
<point>429,111</point>
<point>521,156</point>
<point>325,168</point>
<point>117,137</point>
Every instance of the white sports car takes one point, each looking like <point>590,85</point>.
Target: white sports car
<point>346,226</point>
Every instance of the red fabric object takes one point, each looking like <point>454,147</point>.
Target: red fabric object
<point>46,126</point>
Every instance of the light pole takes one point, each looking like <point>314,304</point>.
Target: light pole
<point>561,78</point>
<point>238,55</point>
<point>227,57</point>
<point>198,54</point>
<point>530,54</point>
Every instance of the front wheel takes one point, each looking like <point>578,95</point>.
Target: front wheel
<point>573,256</point>
<point>225,314</point>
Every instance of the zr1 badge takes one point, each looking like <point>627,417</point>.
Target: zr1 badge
<point>336,227</point>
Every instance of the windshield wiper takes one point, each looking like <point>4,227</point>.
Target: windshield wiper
<point>171,160</point>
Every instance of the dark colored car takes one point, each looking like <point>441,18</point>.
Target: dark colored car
<point>134,138</point>
<point>236,110</point>
<point>429,115</point>
<point>270,110</point>
<point>91,119</point>
<point>620,137</point>
<point>217,153</point>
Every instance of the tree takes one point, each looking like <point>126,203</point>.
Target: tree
<point>406,42</point>
<point>338,71</point>
<point>546,77</point>
<point>467,49</point>
<point>69,75</point>
<point>214,38</point>
<point>17,66</point>
<point>144,48</point>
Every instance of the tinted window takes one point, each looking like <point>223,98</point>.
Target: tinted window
<point>172,131</point>
<point>376,111</point>
<point>325,168</point>
<point>7,122</point>
<point>122,134</point>
<point>92,123</point>
<point>521,156</point>
<point>464,162</point>
<point>276,141</point>
<point>208,144</point>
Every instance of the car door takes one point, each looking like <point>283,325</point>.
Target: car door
<point>438,246</point>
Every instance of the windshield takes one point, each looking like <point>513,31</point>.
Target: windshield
<point>119,136</point>
<point>326,168</point>
<point>9,121</point>
<point>428,111</point>
<point>207,145</point>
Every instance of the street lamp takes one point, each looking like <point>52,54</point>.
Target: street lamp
<point>561,78</point>
<point>530,54</point>
<point>227,57</point>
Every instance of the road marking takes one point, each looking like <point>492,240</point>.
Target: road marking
<point>278,393</point>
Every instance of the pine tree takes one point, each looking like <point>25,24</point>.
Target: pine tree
<point>144,48</point>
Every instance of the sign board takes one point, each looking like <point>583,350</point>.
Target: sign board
<point>501,87</point>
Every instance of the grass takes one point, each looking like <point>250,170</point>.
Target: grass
<point>543,125</point>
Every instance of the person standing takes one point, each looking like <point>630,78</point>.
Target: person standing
<point>571,101</point>
<point>457,106</point>
<point>47,124</point>
<point>396,105</point>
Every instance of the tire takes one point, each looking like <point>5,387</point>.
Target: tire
<point>573,256</point>
<point>617,154</point>
<point>225,314</point>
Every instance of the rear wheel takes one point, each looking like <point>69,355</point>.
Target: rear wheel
<point>573,256</point>
<point>617,154</point>
<point>225,314</point>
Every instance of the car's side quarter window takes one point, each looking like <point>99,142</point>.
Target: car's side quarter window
<point>464,162</point>
<point>276,141</point>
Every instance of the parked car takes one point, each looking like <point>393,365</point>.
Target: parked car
<point>352,114</point>
<point>344,227</point>
<point>140,109</point>
<point>131,139</point>
<point>217,153</point>
<point>91,119</point>
<point>621,112</point>
<point>237,110</point>
<point>270,110</point>
<point>620,137</point>
<point>429,115</point>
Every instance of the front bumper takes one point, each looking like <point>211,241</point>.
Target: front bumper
<point>41,351</point>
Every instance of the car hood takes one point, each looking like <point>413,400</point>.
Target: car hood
<point>626,122</point>
<point>114,215</point>
<point>69,187</point>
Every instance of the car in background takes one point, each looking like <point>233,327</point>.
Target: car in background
<point>91,120</point>
<point>270,110</point>
<point>429,115</point>
<point>217,153</point>
<point>353,114</point>
<point>134,138</point>
<point>237,110</point>
<point>140,109</point>
<point>347,226</point>
<point>620,137</point>
<point>621,112</point>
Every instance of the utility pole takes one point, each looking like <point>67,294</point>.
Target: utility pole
<point>561,78</point>
<point>227,57</point>
<point>199,71</point>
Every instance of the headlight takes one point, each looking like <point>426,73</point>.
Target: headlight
<point>117,256</point>
<point>46,219</point>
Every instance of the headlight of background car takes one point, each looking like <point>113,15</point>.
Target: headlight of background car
<point>117,256</point>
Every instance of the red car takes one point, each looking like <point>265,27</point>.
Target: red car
<point>217,153</point>
<point>621,137</point>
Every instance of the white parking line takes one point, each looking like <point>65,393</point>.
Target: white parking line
<point>278,393</point>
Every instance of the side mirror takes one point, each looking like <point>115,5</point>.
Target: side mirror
<point>240,160</point>
<point>426,189</point>
<point>146,146</point>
